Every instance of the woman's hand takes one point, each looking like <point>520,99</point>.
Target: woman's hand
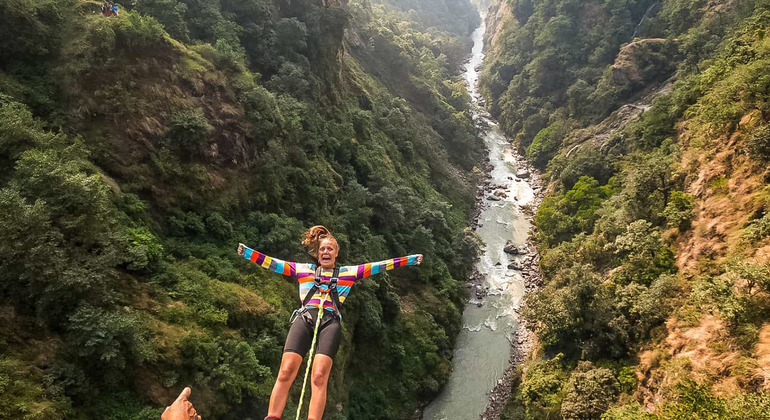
<point>419,259</point>
<point>240,249</point>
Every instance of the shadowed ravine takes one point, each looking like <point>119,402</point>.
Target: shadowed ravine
<point>483,346</point>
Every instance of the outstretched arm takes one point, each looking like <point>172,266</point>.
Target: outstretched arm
<point>273,264</point>
<point>365,270</point>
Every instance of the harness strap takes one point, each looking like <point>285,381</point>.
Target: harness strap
<point>316,284</point>
<point>333,292</point>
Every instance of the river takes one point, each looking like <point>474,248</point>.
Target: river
<point>483,347</point>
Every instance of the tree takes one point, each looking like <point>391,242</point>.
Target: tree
<point>291,37</point>
<point>589,393</point>
<point>546,144</point>
<point>108,338</point>
<point>168,12</point>
<point>645,258</point>
<point>678,211</point>
<point>576,313</point>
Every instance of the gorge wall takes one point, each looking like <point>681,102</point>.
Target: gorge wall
<point>652,238</point>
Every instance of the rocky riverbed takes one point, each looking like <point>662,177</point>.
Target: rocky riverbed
<point>493,340</point>
<point>523,339</point>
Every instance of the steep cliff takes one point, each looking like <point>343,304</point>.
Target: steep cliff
<point>652,237</point>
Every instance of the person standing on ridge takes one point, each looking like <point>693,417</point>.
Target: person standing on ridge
<point>321,282</point>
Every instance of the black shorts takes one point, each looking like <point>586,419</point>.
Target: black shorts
<point>301,334</point>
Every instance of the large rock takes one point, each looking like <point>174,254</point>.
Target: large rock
<point>643,61</point>
<point>510,248</point>
<point>522,173</point>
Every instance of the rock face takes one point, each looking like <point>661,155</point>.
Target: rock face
<point>641,62</point>
<point>510,248</point>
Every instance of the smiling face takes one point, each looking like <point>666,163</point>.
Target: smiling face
<point>327,253</point>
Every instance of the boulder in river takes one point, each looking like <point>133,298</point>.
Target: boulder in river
<point>522,173</point>
<point>515,265</point>
<point>510,248</point>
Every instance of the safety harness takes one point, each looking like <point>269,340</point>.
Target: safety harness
<point>332,292</point>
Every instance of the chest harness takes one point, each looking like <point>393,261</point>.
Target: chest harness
<point>331,292</point>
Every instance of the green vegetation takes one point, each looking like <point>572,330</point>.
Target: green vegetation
<point>137,151</point>
<point>642,263</point>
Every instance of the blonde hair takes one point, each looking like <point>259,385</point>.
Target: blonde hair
<point>314,236</point>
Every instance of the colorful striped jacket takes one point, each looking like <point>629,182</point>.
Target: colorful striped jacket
<point>304,273</point>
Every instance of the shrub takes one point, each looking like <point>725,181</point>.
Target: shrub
<point>541,390</point>
<point>587,160</point>
<point>291,36</point>
<point>644,256</point>
<point>290,79</point>
<point>144,249</point>
<point>693,400</point>
<point>18,129</point>
<point>678,211</point>
<point>589,393</point>
<point>136,31</point>
<point>229,57</point>
<point>170,13</point>
<point>187,224</point>
<point>758,143</point>
<point>25,398</point>
<point>108,338</point>
<point>229,366</point>
<point>262,111</point>
<point>217,226</point>
<point>757,229</point>
<point>189,131</point>
<point>32,29</point>
<point>719,185</point>
<point>575,313</point>
<point>560,217</point>
<point>546,144</point>
<point>655,125</point>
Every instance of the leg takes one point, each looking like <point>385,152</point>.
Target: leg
<point>322,366</point>
<point>329,337</point>
<point>289,366</point>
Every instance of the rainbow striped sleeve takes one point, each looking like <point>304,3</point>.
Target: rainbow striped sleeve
<point>273,264</point>
<point>369,269</point>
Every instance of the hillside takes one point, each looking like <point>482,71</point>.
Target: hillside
<point>136,151</point>
<point>649,119</point>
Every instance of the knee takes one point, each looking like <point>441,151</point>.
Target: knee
<point>287,373</point>
<point>320,379</point>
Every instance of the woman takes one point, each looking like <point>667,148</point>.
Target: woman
<point>323,246</point>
